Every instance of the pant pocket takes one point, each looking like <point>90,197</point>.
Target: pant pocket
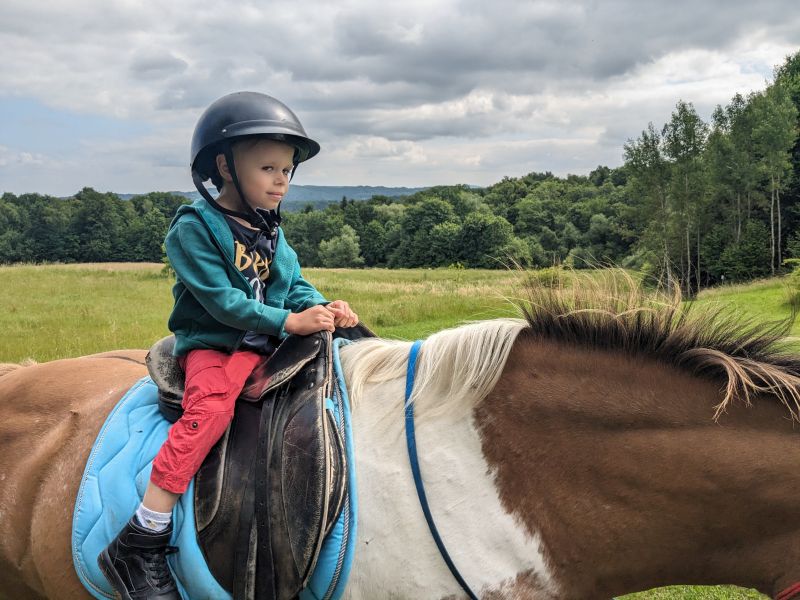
<point>205,376</point>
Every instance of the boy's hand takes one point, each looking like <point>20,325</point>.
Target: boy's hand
<point>311,320</point>
<point>343,314</point>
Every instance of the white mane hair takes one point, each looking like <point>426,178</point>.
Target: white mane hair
<point>457,366</point>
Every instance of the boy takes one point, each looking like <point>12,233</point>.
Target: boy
<point>238,291</point>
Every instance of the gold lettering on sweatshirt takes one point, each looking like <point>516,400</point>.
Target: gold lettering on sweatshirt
<point>242,260</point>
<point>245,259</point>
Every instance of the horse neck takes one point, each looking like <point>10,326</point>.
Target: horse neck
<point>486,543</point>
<point>617,464</point>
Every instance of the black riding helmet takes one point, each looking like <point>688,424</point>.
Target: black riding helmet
<point>239,115</point>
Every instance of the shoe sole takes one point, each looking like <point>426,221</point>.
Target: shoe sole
<point>104,562</point>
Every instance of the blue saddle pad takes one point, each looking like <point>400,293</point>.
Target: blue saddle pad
<point>116,477</point>
<point>330,575</point>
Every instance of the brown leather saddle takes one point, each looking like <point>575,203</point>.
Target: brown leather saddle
<point>272,487</point>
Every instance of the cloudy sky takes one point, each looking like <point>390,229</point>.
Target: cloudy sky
<point>105,93</point>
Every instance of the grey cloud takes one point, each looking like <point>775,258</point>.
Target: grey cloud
<point>472,43</point>
<point>193,90</point>
<point>185,93</point>
<point>56,22</point>
<point>360,70</point>
<point>430,53</point>
<point>152,66</point>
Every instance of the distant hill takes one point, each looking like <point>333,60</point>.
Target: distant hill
<point>321,195</point>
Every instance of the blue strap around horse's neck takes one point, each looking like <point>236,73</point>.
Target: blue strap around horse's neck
<point>412,456</point>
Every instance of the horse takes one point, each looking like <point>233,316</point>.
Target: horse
<point>601,442</point>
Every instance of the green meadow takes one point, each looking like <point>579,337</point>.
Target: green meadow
<point>59,311</point>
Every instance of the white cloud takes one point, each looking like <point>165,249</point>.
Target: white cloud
<point>11,159</point>
<point>413,94</point>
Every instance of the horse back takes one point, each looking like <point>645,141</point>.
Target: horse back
<point>50,413</point>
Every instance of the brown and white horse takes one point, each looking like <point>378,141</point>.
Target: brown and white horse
<point>604,444</point>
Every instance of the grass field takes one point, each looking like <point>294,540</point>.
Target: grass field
<point>59,311</point>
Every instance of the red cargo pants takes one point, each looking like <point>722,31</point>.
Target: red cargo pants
<point>213,382</point>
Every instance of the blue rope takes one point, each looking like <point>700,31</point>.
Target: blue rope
<point>412,456</point>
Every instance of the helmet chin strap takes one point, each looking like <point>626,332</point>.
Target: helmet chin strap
<point>260,218</point>
<point>198,183</point>
<point>265,220</point>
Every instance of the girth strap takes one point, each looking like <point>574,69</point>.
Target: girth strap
<point>412,456</point>
<point>245,551</point>
<point>265,572</point>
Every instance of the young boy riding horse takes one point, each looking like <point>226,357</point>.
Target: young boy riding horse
<point>238,292</point>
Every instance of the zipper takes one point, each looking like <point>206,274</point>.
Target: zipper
<point>248,289</point>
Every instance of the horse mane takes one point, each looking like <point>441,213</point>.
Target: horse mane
<point>604,310</point>
<point>609,309</point>
<point>460,364</point>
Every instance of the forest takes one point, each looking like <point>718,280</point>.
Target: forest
<point>707,202</point>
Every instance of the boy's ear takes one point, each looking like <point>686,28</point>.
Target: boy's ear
<point>222,167</point>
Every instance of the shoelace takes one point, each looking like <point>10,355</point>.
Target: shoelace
<point>159,568</point>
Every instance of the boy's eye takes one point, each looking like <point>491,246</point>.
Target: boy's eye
<point>286,171</point>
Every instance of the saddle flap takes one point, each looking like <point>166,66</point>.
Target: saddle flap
<point>297,488</point>
<point>224,497</point>
<point>281,467</point>
<point>303,486</point>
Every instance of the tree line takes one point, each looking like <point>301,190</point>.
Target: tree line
<point>706,202</point>
<point>721,199</point>
<point>87,227</point>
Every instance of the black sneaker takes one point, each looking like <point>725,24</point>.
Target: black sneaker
<point>135,563</point>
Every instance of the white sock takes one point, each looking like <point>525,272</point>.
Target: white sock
<point>157,521</point>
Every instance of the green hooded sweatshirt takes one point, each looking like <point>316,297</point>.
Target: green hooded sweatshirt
<point>214,303</point>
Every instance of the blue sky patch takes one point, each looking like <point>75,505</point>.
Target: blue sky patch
<point>31,126</point>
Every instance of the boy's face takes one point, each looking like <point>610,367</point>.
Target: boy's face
<point>263,168</point>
